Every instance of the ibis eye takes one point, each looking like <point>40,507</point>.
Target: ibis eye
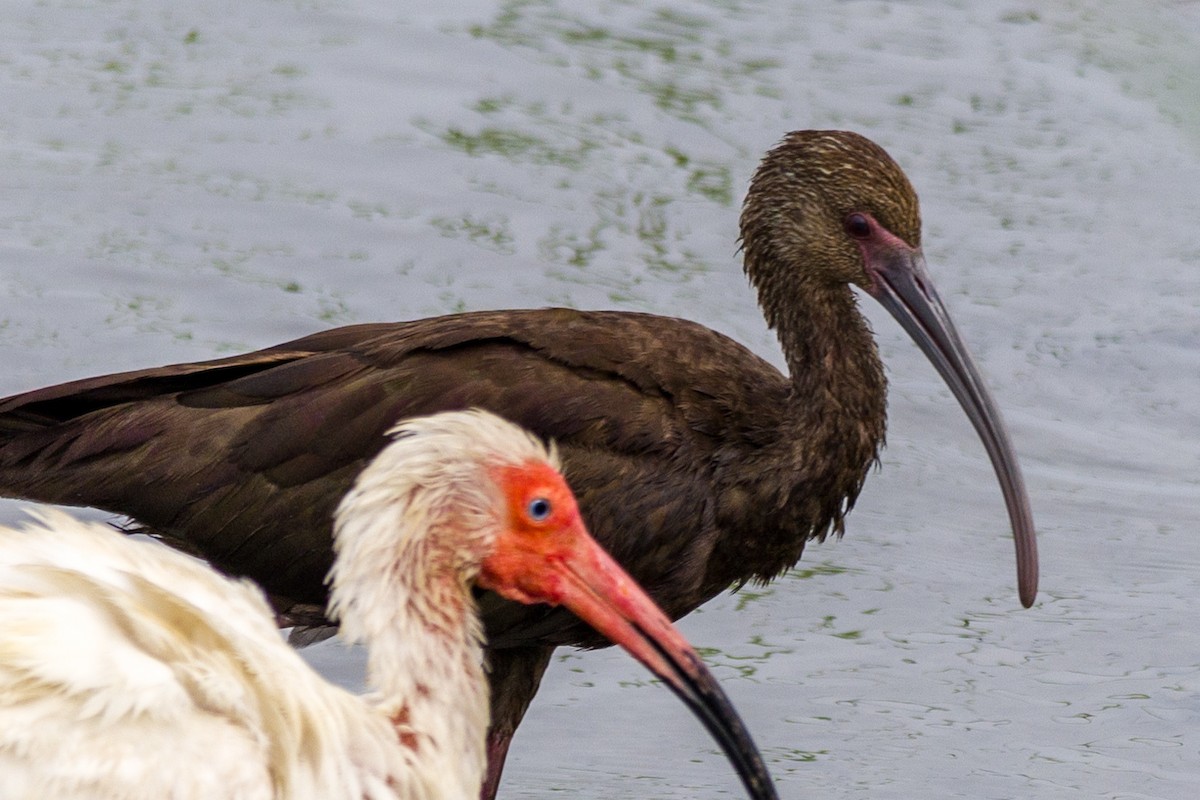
<point>539,508</point>
<point>858,226</point>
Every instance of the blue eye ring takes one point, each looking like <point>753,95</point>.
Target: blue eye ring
<point>539,509</point>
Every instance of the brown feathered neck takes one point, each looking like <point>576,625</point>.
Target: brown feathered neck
<point>802,263</point>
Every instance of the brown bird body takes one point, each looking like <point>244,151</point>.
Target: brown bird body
<point>721,451</point>
<point>697,464</point>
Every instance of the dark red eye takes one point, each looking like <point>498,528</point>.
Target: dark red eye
<point>858,226</point>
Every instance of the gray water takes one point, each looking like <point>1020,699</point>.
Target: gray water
<point>182,181</point>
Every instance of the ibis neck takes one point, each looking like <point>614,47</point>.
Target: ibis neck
<point>818,447</point>
<point>424,665</point>
<point>838,384</point>
<point>429,680</point>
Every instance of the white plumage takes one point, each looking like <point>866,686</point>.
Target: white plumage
<point>131,671</point>
<point>128,670</point>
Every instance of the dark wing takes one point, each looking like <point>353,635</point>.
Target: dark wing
<point>245,458</point>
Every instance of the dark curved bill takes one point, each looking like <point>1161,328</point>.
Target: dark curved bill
<point>597,590</point>
<point>902,285</point>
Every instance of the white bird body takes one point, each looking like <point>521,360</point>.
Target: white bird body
<point>130,671</point>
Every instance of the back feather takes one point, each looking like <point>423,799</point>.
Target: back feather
<point>129,670</point>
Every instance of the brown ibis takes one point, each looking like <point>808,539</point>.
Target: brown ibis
<point>697,464</point>
<point>129,670</point>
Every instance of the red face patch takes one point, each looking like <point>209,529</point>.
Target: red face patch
<point>541,527</point>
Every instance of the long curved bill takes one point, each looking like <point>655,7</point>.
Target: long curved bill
<point>585,579</point>
<point>903,286</point>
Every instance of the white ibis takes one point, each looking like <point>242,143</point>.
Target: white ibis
<point>696,463</point>
<point>129,670</point>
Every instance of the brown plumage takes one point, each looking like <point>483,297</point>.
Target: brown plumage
<point>697,464</point>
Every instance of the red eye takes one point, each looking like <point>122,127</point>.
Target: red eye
<point>858,226</point>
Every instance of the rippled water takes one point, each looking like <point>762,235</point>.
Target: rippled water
<point>186,180</point>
